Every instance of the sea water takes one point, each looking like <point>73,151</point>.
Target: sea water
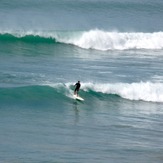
<point>115,48</point>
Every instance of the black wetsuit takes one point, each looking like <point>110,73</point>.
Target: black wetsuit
<point>77,87</point>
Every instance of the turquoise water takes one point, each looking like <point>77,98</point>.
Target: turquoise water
<point>114,48</point>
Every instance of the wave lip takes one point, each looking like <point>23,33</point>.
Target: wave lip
<point>93,39</point>
<point>28,36</point>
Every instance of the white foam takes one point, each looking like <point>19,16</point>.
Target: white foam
<point>102,40</point>
<point>145,91</point>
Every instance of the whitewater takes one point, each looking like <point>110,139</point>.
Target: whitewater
<point>115,49</point>
<point>145,91</point>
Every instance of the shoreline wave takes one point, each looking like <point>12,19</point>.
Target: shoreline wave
<point>93,39</point>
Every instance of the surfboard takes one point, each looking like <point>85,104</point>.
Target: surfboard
<point>78,98</point>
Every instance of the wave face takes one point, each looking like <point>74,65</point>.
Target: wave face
<point>145,91</point>
<point>93,39</point>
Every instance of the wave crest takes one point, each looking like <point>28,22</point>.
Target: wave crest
<point>146,91</point>
<point>101,40</point>
<point>93,39</point>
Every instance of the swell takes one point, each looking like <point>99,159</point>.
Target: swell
<point>30,94</point>
<point>144,91</point>
<point>93,39</point>
<point>30,38</point>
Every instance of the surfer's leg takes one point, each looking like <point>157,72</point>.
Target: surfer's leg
<point>75,92</point>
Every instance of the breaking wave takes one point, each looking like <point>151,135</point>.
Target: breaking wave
<point>93,39</point>
<point>145,91</point>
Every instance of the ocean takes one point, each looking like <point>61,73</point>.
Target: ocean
<point>114,48</point>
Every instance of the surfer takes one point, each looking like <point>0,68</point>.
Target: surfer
<point>77,88</point>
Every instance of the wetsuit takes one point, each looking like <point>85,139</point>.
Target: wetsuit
<point>77,87</point>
